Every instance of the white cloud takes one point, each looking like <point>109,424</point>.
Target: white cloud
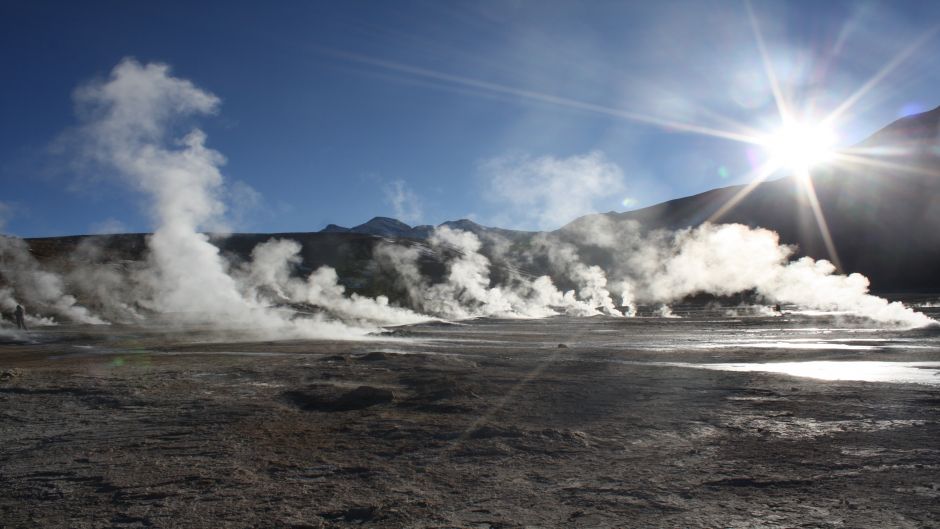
<point>130,123</point>
<point>138,103</point>
<point>404,201</point>
<point>547,192</point>
<point>244,203</point>
<point>6,212</point>
<point>108,226</point>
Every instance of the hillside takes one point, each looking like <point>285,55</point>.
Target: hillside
<point>883,213</point>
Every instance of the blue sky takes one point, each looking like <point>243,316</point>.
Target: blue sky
<point>515,113</point>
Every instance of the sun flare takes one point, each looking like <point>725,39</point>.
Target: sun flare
<point>800,146</point>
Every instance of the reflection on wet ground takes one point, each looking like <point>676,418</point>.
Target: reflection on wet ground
<point>556,423</point>
<point>827,346</point>
<point>897,372</point>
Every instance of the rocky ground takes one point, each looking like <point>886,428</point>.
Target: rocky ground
<point>446,427</point>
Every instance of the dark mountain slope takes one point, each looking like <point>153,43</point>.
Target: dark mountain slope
<point>378,226</point>
<point>883,214</point>
<point>388,227</point>
<point>882,208</point>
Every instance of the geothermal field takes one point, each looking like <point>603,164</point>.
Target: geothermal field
<point>692,364</point>
<point>720,418</point>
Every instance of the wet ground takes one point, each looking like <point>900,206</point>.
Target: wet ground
<point>598,422</point>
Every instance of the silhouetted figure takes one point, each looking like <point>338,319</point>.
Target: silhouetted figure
<point>778,309</point>
<point>20,316</point>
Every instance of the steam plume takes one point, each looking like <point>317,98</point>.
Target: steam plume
<point>132,124</point>
<point>467,290</point>
<point>129,126</point>
<point>40,291</point>
<point>664,266</point>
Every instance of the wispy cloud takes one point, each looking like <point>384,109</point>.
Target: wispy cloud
<point>6,212</point>
<point>404,201</point>
<point>546,192</point>
<point>244,203</point>
<point>108,226</point>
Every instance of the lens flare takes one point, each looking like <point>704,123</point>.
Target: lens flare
<point>801,146</point>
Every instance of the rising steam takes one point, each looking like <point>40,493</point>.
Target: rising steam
<point>467,290</point>
<point>129,126</point>
<point>44,290</point>
<point>132,125</point>
<point>663,267</point>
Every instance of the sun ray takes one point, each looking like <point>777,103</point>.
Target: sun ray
<point>806,182</point>
<point>756,177</point>
<point>736,132</point>
<point>534,373</point>
<point>763,172</point>
<point>880,75</point>
<point>848,158</point>
<point>745,136</point>
<point>779,100</point>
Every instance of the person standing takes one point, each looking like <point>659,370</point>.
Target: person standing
<point>20,315</point>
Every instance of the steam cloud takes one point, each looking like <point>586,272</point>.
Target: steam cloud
<point>663,267</point>
<point>655,269</point>
<point>404,201</point>
<point>547,191</point>
<point>131,125</point>
<point>466,291</point>
<point>44,290</point>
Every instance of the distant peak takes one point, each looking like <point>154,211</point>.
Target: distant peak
<point>390,227</point>
<point>916,131</point>
<point>333,228</point>
<point>386,221</point>
<point>461,222</point>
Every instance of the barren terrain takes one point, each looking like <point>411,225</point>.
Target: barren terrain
<point>487,424</point>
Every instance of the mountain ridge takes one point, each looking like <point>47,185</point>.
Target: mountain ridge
<point>391,227</point>
<point>882,211</point>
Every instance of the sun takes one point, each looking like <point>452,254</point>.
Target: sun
<point>800,146</point>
